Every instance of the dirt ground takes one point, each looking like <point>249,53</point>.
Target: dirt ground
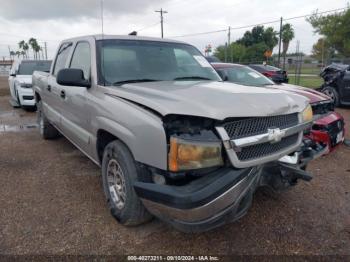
<point>51,202</point>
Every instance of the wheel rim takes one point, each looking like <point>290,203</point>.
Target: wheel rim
<point>116,183</point>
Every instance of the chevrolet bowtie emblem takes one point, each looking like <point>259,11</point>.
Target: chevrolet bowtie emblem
<point>275,135</point>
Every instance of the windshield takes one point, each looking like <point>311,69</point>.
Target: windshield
<point>246,76</point>
<point>28,67</point>
<point>120,61</point>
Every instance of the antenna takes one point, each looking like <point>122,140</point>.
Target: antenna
<point>102,51</point>
<point>102,17</point>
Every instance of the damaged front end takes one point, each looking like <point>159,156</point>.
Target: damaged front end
<point>280,175</point>
<point>209,182</point>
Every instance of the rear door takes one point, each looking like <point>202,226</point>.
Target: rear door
<point>75,116</point>
<point>52,92</point>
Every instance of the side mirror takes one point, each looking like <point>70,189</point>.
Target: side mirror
<point>13,74</point>
<point>223,75</point>
<point>72,77</point>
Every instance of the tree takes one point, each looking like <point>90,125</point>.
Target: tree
<point>322,51</point>
<point>259,35</point>
<point>255,53</point>
<point>35,47</point>
<point>24,47</point>
<point>335,30</point>
<point>236,50</point>
<point>287,36</point>
<point>257,41</point>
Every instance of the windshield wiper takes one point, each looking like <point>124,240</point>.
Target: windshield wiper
<point>192,77</point>
<point>119,83</point>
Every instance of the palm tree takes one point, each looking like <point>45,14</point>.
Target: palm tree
<point>24,46</point>
<point>25,49</point>
<point>18,53</point>
<point>287,36</point>
<point>34,45</point>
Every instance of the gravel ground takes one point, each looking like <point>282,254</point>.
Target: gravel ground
<point>51,202</point>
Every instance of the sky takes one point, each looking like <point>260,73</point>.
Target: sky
<point>51,21</point>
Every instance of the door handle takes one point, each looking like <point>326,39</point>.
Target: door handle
<point>48,88</point>
<point>63,94</point>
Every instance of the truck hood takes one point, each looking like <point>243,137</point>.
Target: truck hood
<point>216,100</point>
<point>313,95</point>
<point>24,79</point>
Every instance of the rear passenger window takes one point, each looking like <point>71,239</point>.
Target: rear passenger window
<point>62,56</point>
<point>82,58</point>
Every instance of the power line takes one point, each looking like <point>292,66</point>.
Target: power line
<point>263,23</point>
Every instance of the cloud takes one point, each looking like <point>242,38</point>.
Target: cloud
<point>71,9</point>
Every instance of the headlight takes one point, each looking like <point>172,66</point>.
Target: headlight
<point>186,155</point>
<point>307,114</point>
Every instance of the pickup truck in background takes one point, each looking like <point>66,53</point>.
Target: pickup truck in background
<point>20,81</point>
<point>171,138</point>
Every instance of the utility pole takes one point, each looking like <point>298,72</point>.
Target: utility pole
<point>229,43</point>
<point>45,44</point>
<point>161,11</point>
<point>279,44</point>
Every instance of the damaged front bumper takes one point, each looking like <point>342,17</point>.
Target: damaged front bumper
<point>207,202</point>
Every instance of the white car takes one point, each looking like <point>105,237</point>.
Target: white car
<point>20,81</point>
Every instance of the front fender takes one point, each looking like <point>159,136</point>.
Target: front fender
<point>146,140</point>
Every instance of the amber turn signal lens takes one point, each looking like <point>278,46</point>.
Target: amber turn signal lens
<point>186,155</point>
<point>307,114</point>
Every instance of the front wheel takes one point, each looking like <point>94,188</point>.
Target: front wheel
<point>333,94</point>
<point>119,173</point>
<point>47,130</point>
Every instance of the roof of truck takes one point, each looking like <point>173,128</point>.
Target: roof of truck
<point>123,37</point>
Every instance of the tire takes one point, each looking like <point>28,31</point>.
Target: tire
<point>119,173</point>
<point>47,131</point>
<point>333,94</point>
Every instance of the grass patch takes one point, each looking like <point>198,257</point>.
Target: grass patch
<point>307,81</point>
<point>306,70</point>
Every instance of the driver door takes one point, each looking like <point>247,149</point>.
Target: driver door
<point>75,117</point>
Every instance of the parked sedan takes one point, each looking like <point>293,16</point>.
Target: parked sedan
<point>328,128</point>
<point>275,74</point>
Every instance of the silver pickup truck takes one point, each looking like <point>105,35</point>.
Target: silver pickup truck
<point>171,138</point>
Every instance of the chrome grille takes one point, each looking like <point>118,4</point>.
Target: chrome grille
<point>259,125</point>
<point>265,149</point>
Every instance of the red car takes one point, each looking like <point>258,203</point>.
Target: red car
<point>328,128</point>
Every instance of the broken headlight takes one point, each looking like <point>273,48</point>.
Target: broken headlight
<point>307,114</point>
<point>187,155</point>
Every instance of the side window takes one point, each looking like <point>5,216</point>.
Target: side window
<point>82,58</point>
<point>62,56</point>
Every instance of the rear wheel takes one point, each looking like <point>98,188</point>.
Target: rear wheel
<point>333,94</point>
<point>119,173</point>
<point>47,130</point>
